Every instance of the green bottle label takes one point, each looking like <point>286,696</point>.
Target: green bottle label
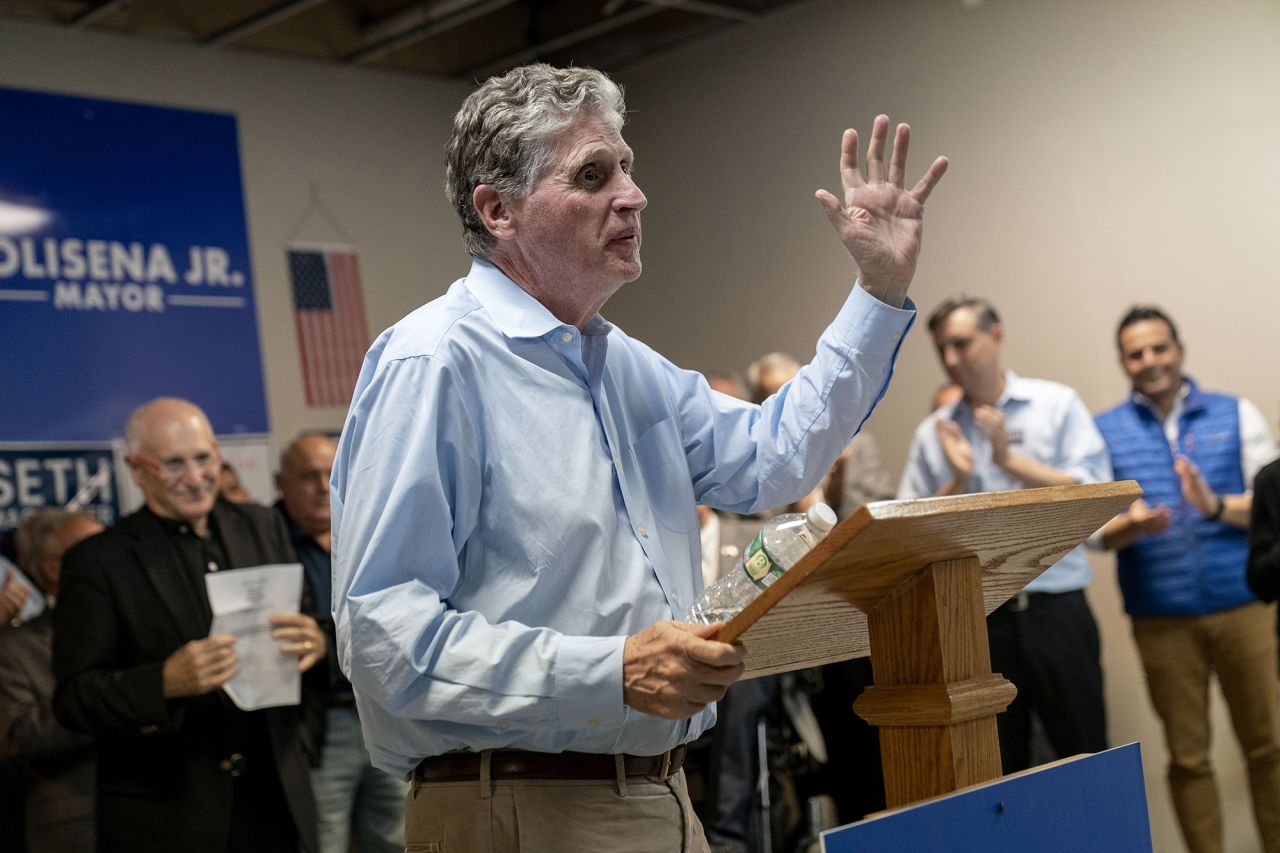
<point>758,565</point>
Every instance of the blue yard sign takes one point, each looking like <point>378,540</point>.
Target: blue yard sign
<point>52,478</point>
<point>124,268</point>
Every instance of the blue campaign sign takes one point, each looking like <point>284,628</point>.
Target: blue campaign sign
<point>1085,804</point>
<point>36,479</point>
<point>124,268</point>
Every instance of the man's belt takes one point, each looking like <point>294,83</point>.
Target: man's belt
<point>520,764</point>
<point>1021,602</point>
<point>1018,604</point>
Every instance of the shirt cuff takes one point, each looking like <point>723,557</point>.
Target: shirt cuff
<point>871,326</point>
<point>588,691</point>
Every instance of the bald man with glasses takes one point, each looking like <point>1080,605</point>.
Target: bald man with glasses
<point>180,766</point>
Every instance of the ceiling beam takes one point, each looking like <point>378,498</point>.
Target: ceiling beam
<point>96,13</point>
<point>249,26</point>
<point>713,10</point>
<point>568,39</point>
<point>417,23</point>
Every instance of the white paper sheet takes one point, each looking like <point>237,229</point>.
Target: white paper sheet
<point>242,601</point>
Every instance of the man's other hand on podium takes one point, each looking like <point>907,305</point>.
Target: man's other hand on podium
<point>673,669</point>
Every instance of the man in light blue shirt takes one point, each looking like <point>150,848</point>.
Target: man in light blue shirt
<point>1010,432</point>
<point>514,526</point>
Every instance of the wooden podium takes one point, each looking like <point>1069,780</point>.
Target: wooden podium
<point>911,582</point>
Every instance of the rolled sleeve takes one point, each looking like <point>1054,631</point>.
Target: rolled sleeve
<point>1083,451</point>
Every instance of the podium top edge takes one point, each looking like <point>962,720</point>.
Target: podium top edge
<point>922,507</point>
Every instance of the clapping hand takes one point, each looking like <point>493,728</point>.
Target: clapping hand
<point>1149,519</point>
<point>879,221</point>
<point>1195,490</point>
<point>956,448</point>
<point>990,422</point>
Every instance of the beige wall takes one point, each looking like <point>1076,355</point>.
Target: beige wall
<point>1102,153</point>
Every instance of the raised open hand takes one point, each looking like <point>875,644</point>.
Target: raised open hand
<point>879,221</point>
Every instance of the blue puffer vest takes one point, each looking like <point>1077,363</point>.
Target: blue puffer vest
<point>1196,566</point>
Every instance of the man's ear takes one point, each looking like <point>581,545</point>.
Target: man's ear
<point>997,332</point>
<point>135,469</point>
<point>495,211</point>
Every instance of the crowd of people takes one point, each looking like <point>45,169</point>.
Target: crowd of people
<point>1198,562</point>
<point>524,502</point>
<point>113,722</point>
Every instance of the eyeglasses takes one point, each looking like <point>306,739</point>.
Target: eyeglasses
<point>171,468</point>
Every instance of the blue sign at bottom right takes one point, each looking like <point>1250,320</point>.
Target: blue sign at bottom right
<point>1086,804</point>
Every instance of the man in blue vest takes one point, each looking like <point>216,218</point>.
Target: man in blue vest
<point>1182,554</point>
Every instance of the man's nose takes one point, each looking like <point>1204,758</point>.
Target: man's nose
<point>193,473</point>
<point>630,198</point>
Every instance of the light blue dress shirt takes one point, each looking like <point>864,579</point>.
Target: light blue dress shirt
<point>513,497</point>
<point>1047,422</point>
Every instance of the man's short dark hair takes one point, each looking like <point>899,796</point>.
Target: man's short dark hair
<point>986,312</point>
<point>1140,313</point>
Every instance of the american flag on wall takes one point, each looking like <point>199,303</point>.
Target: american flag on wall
<point>328,311</point>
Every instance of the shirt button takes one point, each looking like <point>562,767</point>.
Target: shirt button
<point>183,529</point>
<point>213,567</point>
<point>567,337</point>
<point>503,724</point>
<point>895,337</point>
<point>644,534</point>
<point>593,723</point>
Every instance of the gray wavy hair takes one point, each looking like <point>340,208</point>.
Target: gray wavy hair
<point>504,135</point>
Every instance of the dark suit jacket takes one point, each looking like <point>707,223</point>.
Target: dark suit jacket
<point>124,608</point>
<point>57,765</point>
<point>1263,573</point>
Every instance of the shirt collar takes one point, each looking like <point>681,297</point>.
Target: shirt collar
<point>512,309</point>
<point>178,526</point>
<point>1180,403</point>
<point>1015,388</point>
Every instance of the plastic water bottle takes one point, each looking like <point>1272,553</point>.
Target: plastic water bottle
<point>780,544</point>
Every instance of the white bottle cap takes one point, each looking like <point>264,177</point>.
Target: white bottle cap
<point>821,517</point>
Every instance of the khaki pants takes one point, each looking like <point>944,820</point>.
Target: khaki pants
<point>1180,654</point>
<point>637,815</point>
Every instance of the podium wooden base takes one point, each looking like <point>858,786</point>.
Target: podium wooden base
<point>935,693</point>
